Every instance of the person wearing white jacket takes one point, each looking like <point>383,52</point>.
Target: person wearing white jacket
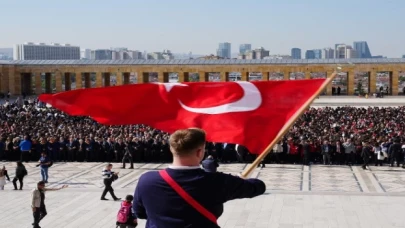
<point>379,155</point>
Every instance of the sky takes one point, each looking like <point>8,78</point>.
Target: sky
<point>199,25</point>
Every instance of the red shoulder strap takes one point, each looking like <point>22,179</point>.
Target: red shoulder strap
<point>190,200</point>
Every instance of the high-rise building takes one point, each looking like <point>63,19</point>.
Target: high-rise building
<point>310,54</point>
<point>85,54</point>
<point>224,50</point>
<point>258,53</point>
<point>344,51</point>
<point>243,48</point>
<point>42,51</point>
<point>328,53</point>
<point>102,54</point>
<point>124,54</point>
<point>318,53</point>
<point>296,53</point>
<point>362,49</point>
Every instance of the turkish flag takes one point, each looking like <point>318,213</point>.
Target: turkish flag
<point>246,113</point>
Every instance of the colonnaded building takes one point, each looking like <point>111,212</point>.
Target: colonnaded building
<point>49,76</point>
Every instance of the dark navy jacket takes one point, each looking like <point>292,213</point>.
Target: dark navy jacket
<point>210,165</point>
<point>157,202</point>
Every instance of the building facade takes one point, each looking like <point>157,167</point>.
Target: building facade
<point>101,54</point>
<point>362,49</point>
<point>36,77</point>
<point>344,51</point>
<point>224,50</point>
<point>310,54</point>
<point>243,48</point>
<point>296,53</point>
<point>328,53</point>
<point>85,54</point>
<point>318,53</point>
<point>42,51</point>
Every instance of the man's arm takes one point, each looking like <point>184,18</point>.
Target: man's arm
<point>137,205</point>
<point>238,188</point>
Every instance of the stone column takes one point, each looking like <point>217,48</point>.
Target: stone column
<point>126,75</point>
<point>99,79</point>
<point>68,81</point>
<point>119,78</point>
<point>286,75</point>
<point>372,79</point>
<point>58,81</point>
<point>329,86</point>
<point>87,81</point>
<point>48,83</point>
<point>38,83</point>
<point>79,82</point>
<point>183,77</point>
<point>265,76</point>
<point>204,76</point>
<point>308,75</point>
<point>350,83</point>
<point>224,76</point>
<point>11,79</point>
<point>107,81</point>
<point>163,77</point>
<point>244,76</point>
<point>394,82</point>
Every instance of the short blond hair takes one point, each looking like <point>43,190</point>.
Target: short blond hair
<point>183,142</point>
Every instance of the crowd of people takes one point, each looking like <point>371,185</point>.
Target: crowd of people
<point>321,135</point>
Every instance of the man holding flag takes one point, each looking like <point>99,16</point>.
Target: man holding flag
<point>253,114</point>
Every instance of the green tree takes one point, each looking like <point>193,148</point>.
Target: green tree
<point>360,89</point>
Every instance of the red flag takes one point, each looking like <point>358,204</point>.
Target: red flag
<point>246,113</point>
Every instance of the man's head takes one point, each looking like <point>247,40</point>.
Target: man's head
<point>109,166</point>
<point>41,185</point>
<point>188,143</point>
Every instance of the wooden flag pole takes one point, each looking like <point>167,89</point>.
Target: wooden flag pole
<point>287,126</point>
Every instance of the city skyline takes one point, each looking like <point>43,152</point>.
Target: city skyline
<point>198,26</point>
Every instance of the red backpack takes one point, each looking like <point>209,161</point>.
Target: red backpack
<point>123,213</point>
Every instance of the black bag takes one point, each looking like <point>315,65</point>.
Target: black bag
<point>50,163</point>
<point>381,153</point>
<point>25,172</point>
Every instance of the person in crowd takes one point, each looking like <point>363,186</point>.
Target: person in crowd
<point>20,173</point>
<point>38,202</point>
<point>3,176</point>
<point>108,177</point>
<point>127,158</point>
<point>126,217</point>
<point>395,151</point>
<point>277,154</point>
<point>349,152</point>
<point>209,164</point>
<point>44,163</point>
<point>379,155</point>
<point>25,148</point>
<point>326,153</point>
<point>159,197</point>
<point>241,152</point>
<point>347,125</point>
<point>306,151</point>
<point>365,154</point>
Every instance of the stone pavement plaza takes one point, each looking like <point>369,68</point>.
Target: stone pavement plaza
<point>297,196</point>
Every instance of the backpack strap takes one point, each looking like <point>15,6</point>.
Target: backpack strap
<point>189,199</point>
